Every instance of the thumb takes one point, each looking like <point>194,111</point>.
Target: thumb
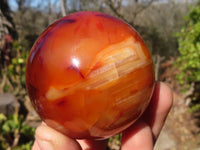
<point>47,138</point>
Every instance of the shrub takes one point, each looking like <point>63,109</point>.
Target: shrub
<point>189,49</point>
<point>14,134</point>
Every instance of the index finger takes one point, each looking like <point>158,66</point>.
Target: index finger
<point>145,131</point>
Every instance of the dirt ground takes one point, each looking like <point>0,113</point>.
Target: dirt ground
<point>181,130</point>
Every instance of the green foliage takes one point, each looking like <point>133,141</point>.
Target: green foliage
<point>14,133</point>
<point>114,141</point>
<point>15,72</point>
<point>195,108</point>
<point>189,49</point>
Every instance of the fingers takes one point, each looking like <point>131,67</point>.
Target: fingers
<point>138,136</point>
<point>141,134</point>
<point>35,146</point>
<point>50,139</point>
<point>159,107</point>
<point>47,138</point>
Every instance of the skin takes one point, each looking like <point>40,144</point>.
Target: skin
<point>141,135</point>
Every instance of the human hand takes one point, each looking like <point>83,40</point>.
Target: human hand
<point>142,135</point>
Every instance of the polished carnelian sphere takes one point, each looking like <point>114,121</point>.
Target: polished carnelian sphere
<point>89,75</point>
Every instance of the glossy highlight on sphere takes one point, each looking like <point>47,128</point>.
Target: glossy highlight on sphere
<point>89,75</point>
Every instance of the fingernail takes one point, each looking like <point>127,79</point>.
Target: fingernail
<point>43,138</point>
<point>44,145</point>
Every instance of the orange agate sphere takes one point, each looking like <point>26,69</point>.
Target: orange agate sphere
<point>89,75</point>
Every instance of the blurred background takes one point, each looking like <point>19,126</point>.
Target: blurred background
<point>170,28</point>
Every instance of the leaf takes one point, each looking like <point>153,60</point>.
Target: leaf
<point>20,60</point>
<point>6,127</point>
<point>2,117</point>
